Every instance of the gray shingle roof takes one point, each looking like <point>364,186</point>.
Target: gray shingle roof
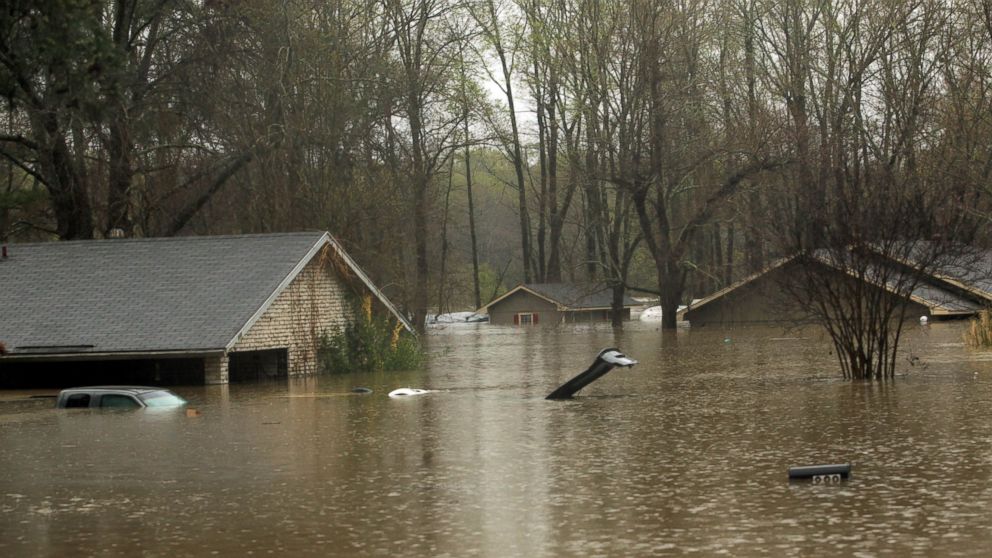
<point>942,300</point>
<point>931,292</point>
<point>578,297</point>
<point>142,295</point>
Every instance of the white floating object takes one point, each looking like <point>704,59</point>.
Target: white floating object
<point>403,392</point>
<point>651,314</point>
<point>617,358</point>
<point>924,319</point>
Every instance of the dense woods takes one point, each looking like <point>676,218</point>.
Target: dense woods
<point>459,146</point>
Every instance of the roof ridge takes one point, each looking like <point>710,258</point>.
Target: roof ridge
<point>188,238</point>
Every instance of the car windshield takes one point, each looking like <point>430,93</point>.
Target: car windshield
<point>162,399</point>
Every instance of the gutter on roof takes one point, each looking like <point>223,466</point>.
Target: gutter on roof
<point>986,296</point>
<point>942,312</point>
<point>953,281</point>
<point>108,355</point>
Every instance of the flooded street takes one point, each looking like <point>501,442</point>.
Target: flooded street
<point>686,453</point>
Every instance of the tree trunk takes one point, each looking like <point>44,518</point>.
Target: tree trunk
<point>671,295</point>
<point>119,152</point>
<point>517,156</point>
<point>69,194</point>
<point>553,265</point>
<point>728,269</point>
<point>471,222</point>
<point>543,154</point>
<point>421,213</point>
<point>616,307</point>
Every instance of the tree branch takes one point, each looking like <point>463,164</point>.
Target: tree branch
<point>184,215</point>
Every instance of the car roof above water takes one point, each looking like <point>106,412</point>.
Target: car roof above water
<point>131,389</point>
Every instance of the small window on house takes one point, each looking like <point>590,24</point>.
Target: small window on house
<point>525,318</point>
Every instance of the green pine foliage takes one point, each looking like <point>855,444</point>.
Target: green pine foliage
<point>369,344</point>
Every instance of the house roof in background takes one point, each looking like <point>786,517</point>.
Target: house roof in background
<point>970,270</point>
<point>568,296</point>
<point>940,299</point>
<point>180,294</point>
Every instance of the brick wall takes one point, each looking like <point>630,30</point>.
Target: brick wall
<point>215,370</point>
<point>316,301</point>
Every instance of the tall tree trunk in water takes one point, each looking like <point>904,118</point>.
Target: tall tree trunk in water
<point>444,240</point>
<point>673,279</point>
<point>591,206</point>
<point>420,213</point>
<point>471,217</point>
<point>555,220</point>
<point>516,155</point>
<point>617,310</point>
<point>542,152</point>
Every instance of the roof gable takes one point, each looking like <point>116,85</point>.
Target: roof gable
<point>930,293</point>
<point>567,296</point>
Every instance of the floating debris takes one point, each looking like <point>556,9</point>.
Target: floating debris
<point>821,473</point>
<point>606,360</point>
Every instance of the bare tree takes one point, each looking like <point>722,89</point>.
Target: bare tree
<point>492,28</point>
<point>427,48</point>
<point>874,212</point>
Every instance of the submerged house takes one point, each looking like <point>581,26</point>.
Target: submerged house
<point>554,303</point>
<point>762,297</point>
<point>178,310</point>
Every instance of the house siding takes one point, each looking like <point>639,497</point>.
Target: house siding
<point>502,312</point>
<point>315,302</point>
<point>593,316</point>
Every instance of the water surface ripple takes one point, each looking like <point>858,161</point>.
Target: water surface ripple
<point>686,453</point>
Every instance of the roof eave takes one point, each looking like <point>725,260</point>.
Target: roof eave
<point>740,283</point>
<point>522,287</point>
<point>115,355</point>
<point>945,312</point>
<point>297,269</point>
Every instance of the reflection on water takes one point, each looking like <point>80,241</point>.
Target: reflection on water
<point>685,453</point>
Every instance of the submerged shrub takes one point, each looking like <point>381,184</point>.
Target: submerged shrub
<point>979,333</point>
<point>369,343</point>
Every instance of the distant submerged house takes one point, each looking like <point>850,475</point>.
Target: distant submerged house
<point>761,298</point>
<point>554,303</point>
<point>173,310</point>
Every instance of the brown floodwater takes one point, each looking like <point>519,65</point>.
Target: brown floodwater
<point>686,453</point>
